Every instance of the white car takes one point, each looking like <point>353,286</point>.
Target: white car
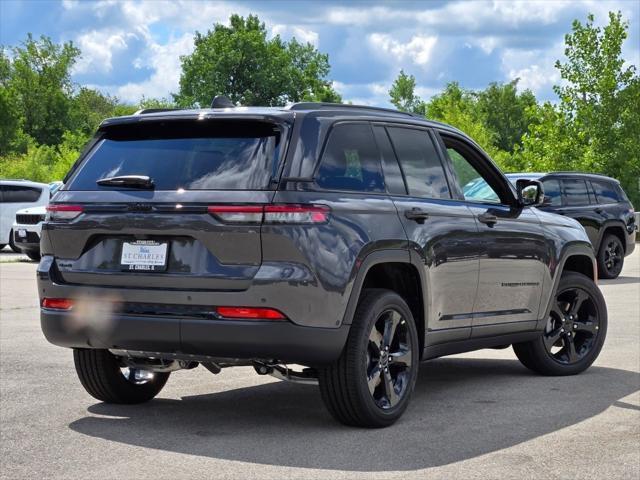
<point>16,195</point>
<point>27,226</point>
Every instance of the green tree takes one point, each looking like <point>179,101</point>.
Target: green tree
<point>595,126</point>
<point>11,135</point>
<point>457,107</point>
<point>505,112</point>
<point>40,82</point>
<point>239,61</point>
<point>88,108</point>
<point>403,95</point>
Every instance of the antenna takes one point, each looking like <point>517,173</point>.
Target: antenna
<point>220,101</point>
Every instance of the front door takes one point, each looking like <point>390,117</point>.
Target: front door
<point>513,247</point>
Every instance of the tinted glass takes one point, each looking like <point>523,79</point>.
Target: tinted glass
<point>420,164</point>
<point>575,192</point>
<point>392,174</point>
<point>552,194</point>
<point>473,186</point>
<point>351,160</point>
<point>605,192</point>
<point>191,156</point>
<point>19,194</point>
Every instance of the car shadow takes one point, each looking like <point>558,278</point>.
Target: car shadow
<point>620,281</point>
<point>461,408</point>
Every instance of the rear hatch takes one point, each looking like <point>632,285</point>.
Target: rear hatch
<point>168,227</point>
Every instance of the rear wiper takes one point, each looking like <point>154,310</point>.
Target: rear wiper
<point>132,181</point>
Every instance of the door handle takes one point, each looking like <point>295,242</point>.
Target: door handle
<point>488,219</point>
<point>416,215</point>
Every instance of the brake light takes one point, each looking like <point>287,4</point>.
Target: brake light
<point>238,213</point>
<point>278,213</point>
<point>250,313</point>
<point>57,303</point>
<point>296,214</point>
<point>63,212</point>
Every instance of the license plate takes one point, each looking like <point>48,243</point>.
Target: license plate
<point>144,256</point>
<point>22,233</point>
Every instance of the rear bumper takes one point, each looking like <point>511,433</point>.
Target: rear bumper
<point>171,322</point>
<point>282,340</point>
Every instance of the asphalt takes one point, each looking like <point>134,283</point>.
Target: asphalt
<point>478,415</point>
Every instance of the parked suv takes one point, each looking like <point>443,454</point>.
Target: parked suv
<point>16,195</point>
<point>28,225</point>
<point>334,237</point>
<point>600,205</point>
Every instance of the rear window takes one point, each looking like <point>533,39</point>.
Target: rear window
<point>575,192</point>
<point>185,155</point>
<point>18,194</point>
<point>605,192</point>
<point>351,160</point>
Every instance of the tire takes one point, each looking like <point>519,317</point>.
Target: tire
<point>100,374</point>
<point>12,243</point>
<point>35,256</point>
<point>610,257</point>
<point>2,245</point>
<point>345,385</point>
<point>575,332</point>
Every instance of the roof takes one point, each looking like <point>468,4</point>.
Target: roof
<point>21,181</point>
<point>286,112</point>
<point>560,174</point>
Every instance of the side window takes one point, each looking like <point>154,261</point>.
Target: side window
<point>351,160</point>
<point>552,193</point>
<point>605,192</point>
<point>18,194</point>
<point>422,168</point>
<point>392,174</point>
<point>575,192</point>
<point>474,187</point>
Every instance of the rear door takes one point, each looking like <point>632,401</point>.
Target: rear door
<point>441,230</point>
<point>578,203</point>
<point>192,230</point>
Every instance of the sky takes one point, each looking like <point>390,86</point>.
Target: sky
<point>133,48</point>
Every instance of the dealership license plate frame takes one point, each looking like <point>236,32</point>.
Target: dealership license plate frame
<point>134,258</point>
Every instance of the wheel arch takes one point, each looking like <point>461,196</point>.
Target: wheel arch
<point>393,270</point>
<point>577,258</point>
<point>617,229</point>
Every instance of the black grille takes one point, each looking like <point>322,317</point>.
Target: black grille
<point>29,218</point>
<point>32,237</point>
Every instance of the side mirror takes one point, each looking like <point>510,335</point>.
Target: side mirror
<point>530,192</point>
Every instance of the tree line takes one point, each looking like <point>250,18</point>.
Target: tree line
<point>594,126</point>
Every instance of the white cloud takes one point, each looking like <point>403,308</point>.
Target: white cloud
<point>535,68</point>
<point>98,48</point>
<point>418,49</point>
<point>165,61</point>
<point>291,31</point>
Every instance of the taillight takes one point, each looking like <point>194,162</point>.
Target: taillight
<point>277,213</point>
<point>57,303</point>
<point>238,213</point>
<point>63,212</point>
<point>296,214</point>
<point>250,313</point>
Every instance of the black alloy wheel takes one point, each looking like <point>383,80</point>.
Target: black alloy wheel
<point>573,326</point>
<point>389,358</point>
<point>574,332</point>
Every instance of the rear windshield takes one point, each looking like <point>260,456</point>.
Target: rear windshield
<point>203,155</point>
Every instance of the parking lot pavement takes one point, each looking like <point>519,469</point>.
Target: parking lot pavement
<point>479,415</point>
<point>8,255</point>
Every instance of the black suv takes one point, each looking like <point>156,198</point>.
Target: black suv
<point>600,205</point>
<point>334,237</point>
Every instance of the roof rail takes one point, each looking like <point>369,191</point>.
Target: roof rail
<point>337,106</point>
<point>578,172</point>
<point>144,111</point>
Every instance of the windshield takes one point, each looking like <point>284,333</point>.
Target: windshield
<point>185,155</point>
